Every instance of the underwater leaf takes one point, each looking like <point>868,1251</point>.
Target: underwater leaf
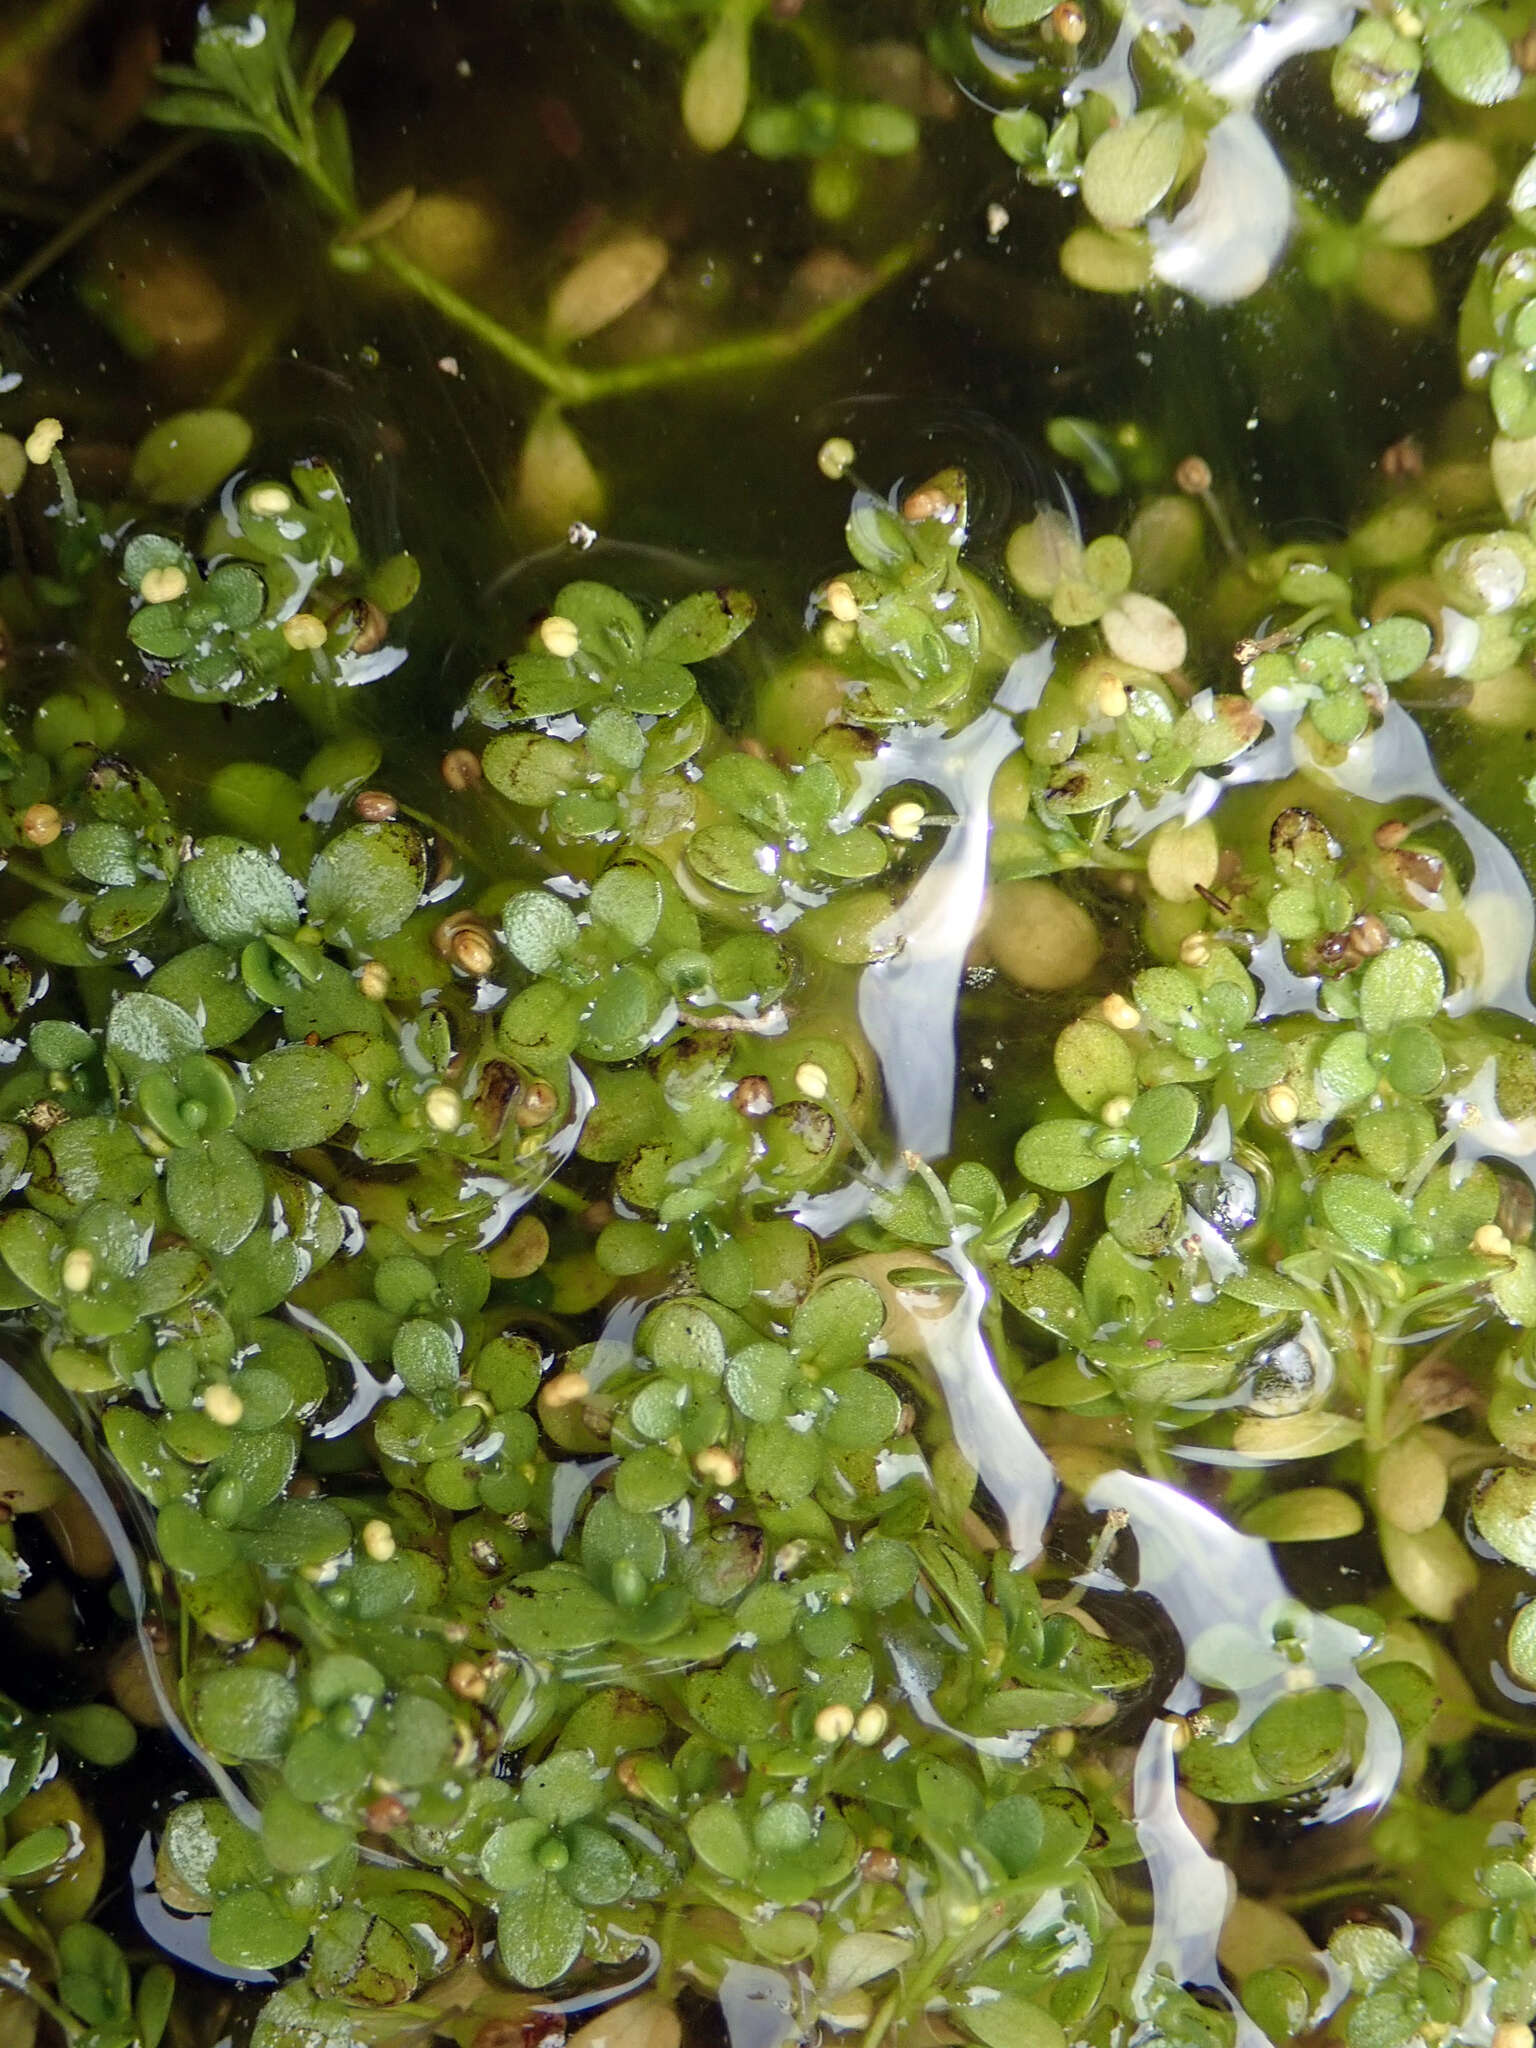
<point>1434,190</point>
<point>186,457</point>
<point>603,285</point>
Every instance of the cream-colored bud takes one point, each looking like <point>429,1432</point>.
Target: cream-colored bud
<point>716,1465</point>
<point>564,1390</point>
<point>834,1724</point>
<point>163,585</point>
<point>811,1080</point>
<point>443,1108</point>
<point>304,632</point>
<point>904,820</point>
<point>222,1404</point>
<point>373,980</point>
<point>871,1725</point>
<point>1115,1111</point>
<point>78,1270</point>
<point>1122,1014</point>
<point>1282,1103</point>
<point>43,439</point>
<point>379,1540</point>
<point>1489,1242</point>
<point>840,601</point>
<point>1111,699</point>
<point>559,636</point>
<point>835,457</point>
<point>269,501</point>
<point>1195,949</point>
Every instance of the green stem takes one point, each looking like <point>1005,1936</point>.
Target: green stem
<point>568,382</point>
<point>749,351</point>
<point>1380,1376</point>
<point>38,878</point>
<point>565,381</point>
<point>106,202</point>
<point>36,1936</point>
<point>879,2026</point>
<point>1149,1447</point>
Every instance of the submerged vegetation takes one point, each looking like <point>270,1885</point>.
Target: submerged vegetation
<point>812,1327</point>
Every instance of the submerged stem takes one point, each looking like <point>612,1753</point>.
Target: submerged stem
<point>569,382</point>
<point>106,203</point>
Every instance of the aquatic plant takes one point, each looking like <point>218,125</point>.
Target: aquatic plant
<point>622,1487</point>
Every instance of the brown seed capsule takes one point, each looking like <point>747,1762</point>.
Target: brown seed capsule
<point>1391,835</point>
<point>564,1390</point>
<point>929,501</point>
<point>466,1681</point>
<point>1368,936</point>
<point>41,824</point>
<point>375,806</point>
<point>879,1866</point>
<point>1517,1208</point>
<point>1193,476</point>
<point>473,952</point>
<point>448,930</point>
<point>386,1812</point>
<point>839,599</point>
<point>461,768</point>
<point>1069,22</point>
<point>370,626</point>
<point>752,1095</point>
<point>537,1106</point>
